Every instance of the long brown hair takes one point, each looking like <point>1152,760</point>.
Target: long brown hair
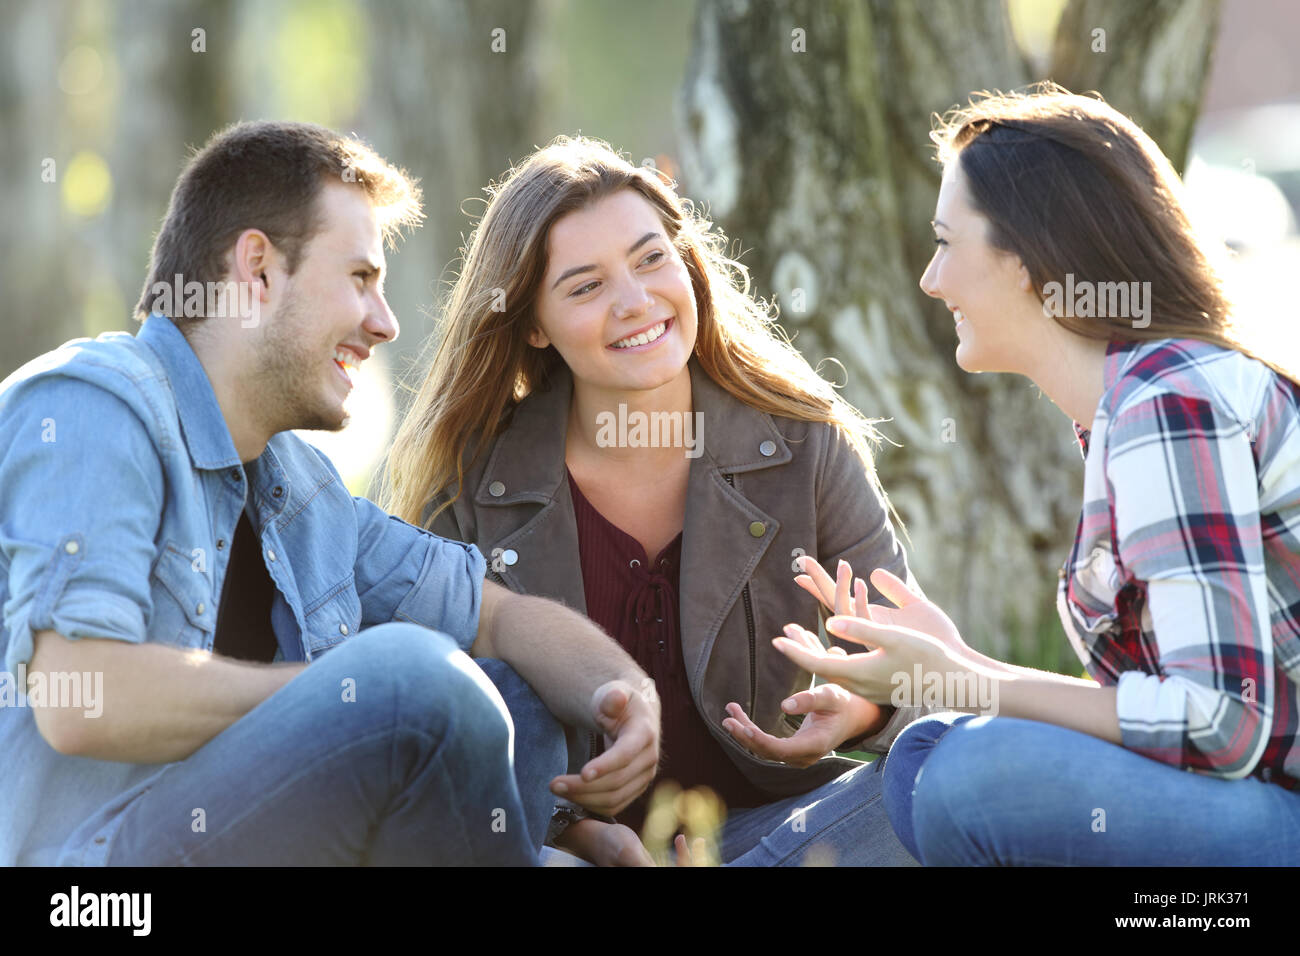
<point>484,365</point>
<point>1072,186</point>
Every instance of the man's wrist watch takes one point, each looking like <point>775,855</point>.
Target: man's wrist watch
<point>565,816</point>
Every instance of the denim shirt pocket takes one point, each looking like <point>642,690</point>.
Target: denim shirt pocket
<point>333,618</point>
<point>184,610</point>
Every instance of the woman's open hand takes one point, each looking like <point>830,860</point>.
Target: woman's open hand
<point>914,610</point>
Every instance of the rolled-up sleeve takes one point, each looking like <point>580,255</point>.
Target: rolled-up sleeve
<point>83,491</point>
<point>1187,524</point>
<point>406,574</point>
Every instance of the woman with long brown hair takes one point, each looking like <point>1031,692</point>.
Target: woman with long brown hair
<point>1065,254</point>
<point>618,424</point>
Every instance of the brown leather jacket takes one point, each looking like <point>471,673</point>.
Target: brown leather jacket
<point>764,491</point>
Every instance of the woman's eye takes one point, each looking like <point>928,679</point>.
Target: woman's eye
<point>583,289</point>
<point>940,242</point>
<point>652,258</point>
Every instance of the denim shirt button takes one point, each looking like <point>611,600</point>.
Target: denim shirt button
<point>767,449</point>
<point>200,609</point>
<point>496,489</point>
<point>234,474</point>
<point>343,629</point>
<point>270,555</point>
<point>277,491</point>
<point>221,544</point>
<point>72,547</point>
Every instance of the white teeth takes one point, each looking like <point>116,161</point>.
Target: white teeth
<point>346,359</point>
<point>645,337</point>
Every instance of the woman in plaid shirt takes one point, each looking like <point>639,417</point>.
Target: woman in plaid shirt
<point>1065,254</point>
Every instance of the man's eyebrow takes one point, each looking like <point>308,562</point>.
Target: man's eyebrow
<point>576,270</point>
<point>365,262</point>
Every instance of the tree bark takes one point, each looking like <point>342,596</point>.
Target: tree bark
<point>818,160</point>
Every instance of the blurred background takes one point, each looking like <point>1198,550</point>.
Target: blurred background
<point>802,125</point>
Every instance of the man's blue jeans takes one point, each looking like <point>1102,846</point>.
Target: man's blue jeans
<point>999,791</point>
<point>391,749</point>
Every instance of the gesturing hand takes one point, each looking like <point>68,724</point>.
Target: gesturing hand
<point>630,721</point>
<point>831,716</point>
<point>914,610</point>
<point>897,649</point>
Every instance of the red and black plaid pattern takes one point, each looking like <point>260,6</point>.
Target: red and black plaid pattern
<point>1183,585</point>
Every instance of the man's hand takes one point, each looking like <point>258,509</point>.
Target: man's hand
<point>605,844</point>
<point>630,720</point>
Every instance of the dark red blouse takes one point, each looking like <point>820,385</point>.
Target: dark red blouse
<point>635,601</point>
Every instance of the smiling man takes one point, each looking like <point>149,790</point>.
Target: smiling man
<point>286,669</point>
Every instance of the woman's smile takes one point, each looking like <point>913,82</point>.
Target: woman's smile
<point>644,338</point>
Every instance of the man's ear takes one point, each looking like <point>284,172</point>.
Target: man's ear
<point>537,338</point>
<point>253,259</point>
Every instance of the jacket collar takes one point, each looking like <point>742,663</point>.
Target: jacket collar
<point>528,457</point>
<point>725,534</point>
<point>207,436</point>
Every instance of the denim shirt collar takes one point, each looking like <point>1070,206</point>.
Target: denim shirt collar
<point>207,436</point>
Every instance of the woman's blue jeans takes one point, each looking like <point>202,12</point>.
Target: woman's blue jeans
<point>999,791</point>
<point>392,749</point>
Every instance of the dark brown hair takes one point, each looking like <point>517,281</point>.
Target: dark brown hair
<point>1070,185</point>
<point>266,176</point>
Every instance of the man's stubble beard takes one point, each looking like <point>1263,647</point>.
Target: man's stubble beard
<point>286,389</point>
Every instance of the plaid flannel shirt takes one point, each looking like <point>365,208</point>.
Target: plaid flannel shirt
<point>1183,586</point>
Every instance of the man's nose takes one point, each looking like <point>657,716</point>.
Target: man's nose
<point>380,321</point>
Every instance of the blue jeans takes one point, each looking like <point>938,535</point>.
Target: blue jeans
<point>969,791</point>
<point>416,769</point>
<point>841,823</point>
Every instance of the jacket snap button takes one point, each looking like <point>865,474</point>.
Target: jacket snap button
<point>343,629</point>
<point>767,449</point>
<point>496,490</point>
<point>757,529</point>
<point>277,491</point>
<point>221,544</point>
<point>509,556</point>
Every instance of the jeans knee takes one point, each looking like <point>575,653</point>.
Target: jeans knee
<point>429,684</point>
<point>972,768</point>
<point>536,728</point>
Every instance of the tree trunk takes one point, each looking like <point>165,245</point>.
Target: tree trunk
<point>461,102</point>
<point>806,130</point>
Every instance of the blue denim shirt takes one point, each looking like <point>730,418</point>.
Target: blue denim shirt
<point>121,489</point>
